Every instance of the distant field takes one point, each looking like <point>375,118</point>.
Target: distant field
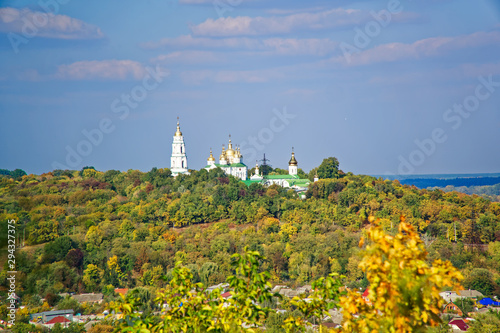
<point>443,180</point>
<point>439,176</point>
<point>456,182</point>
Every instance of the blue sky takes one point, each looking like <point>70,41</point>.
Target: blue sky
<point>387,87</point>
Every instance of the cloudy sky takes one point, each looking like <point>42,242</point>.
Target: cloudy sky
<point>387,87</point>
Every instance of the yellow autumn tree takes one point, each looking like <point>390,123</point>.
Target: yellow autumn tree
<point>116,275</point>
<point>403,295</point>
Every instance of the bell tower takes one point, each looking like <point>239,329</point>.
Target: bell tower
<point>292,165</point>
<point>178,160</point>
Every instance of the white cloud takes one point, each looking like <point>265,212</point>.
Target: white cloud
<point>241,76</point>
<point>281,46</point>
<point>288,11</point>
<point>254,26</point>
<point>25,21</point>
<point>104,70</point>
<point>293,46</point>
<point>460,73</point>
<point>424,48</point>
<point>245,76</point>
<point>195,77</point>
<point>189,57</point>
<point>117,70</point>
<point>188,41</point>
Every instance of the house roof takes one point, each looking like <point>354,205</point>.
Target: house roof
<point>58,319</point>
<point>281,177</point>
<point>299,182</point>
<point>88,297</point>
<point>121,291</point>
<point>489,301</point>
<point>365,294</point>
<point>248,182</point>
<point>226,294</point>
<point>470,293</point>
<point>453,304</point>
<point>460,323</point>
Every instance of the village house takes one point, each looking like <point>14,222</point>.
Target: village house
<point>453,308</point>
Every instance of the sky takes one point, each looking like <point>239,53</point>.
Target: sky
<point>391,87</point>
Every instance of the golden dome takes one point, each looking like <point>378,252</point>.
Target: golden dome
<point>211,157</point>
<point>230,153</point>
<point>223,154</point>
<point>178,132</point>
<point>293,161</point>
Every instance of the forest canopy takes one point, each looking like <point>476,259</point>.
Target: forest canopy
<point>93,231</point>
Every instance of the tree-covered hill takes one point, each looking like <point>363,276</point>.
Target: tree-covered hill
<point>101,230</point>
<point>491,192</point>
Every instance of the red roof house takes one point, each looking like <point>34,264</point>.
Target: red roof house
<point>460,323</point>
<point>453,308</point>
<point>121,291</point>
<point>58,319</point>
<point>365,297</point>
<point>227,294</point>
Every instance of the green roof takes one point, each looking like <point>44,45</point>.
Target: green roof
<point>281,177</point>
<point>248,182</point>
<point>238,165</point>
<point>299,182</point>
<point>292,180</point>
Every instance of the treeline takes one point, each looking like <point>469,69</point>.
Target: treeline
<point>491,192</point>
<point>91,231</point>
<point>17,173</point>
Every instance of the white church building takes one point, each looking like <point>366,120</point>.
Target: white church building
<point>292,180</point>
<point>231,162</point>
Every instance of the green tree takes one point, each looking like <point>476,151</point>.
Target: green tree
<point>92,277</point>
<point>329,168</point>
<point>58,249</point>
<point>68,303</point>
<point>208,269</point>
<point>18,173</point>
<point>74,258</point>
<point>481,280</point>
<point>191,309</point>
<point>485,322</point>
